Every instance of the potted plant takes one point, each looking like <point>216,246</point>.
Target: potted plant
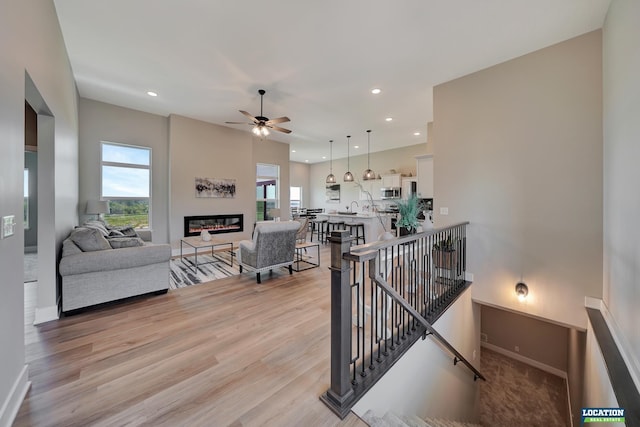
<point>445,254</point>
<point>409,210</point>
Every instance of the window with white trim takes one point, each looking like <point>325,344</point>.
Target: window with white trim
<point>126,184</point>
<point>267,184</point>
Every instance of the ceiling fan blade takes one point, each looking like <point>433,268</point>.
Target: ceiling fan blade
<point>250,116</point>
<point>279,129</point>
<point>279,120</point>
<point>239,123</point>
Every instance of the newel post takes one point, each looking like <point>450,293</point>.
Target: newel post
<point>340,395</point>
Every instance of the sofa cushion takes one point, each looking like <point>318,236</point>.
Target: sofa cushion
<point>125,242</point>
<point>89,239</point>
<point>88,262</point>
<point>70,248</point>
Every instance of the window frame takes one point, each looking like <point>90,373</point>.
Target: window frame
<point>131,166</point>
<point>265,200</point>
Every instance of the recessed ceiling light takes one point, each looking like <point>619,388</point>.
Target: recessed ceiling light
<point>356,146</point>
<point>307,161</point>
<point>375,91</point>
<point>293,151</point>
<point>324,157</point>
<point>416,133</point>
<point>150,93</point>
<point>389,119</point>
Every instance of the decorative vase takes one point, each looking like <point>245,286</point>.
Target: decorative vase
<point>387,235</point>
<point>205,236</point>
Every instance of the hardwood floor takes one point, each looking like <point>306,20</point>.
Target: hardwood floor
<point>227,353</point>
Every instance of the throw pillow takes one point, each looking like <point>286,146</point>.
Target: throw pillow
<point>97,225</point>
<point>115,233</point>
<point>89,239</point>
<point>125,242</point>
<point>125,230</point>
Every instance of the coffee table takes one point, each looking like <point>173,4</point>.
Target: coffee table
<point>197,243</point>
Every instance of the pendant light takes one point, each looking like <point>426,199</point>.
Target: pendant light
<point>348,177</point>
<point>331,178</point>
<point>368,174</point>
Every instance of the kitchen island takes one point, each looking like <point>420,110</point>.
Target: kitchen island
<point>372,225</point>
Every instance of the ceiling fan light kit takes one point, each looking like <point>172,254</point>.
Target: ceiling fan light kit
<point>262,124</point>
<point>368,173</point>
<point>348,177</point>
<point>331,178</point>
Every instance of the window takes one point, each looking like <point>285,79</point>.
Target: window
<point>26,199</point>
<point>267,183</point>
<point>295,198</point>
<point>126,184</point>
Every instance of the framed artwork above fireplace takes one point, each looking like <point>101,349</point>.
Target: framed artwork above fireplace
<point>215,187</point>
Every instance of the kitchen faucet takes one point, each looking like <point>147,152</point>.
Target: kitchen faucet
<point>352,205</point>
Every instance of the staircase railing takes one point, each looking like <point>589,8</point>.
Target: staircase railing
<point>384,297</point>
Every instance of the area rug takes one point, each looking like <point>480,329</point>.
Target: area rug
<point>210,268</point>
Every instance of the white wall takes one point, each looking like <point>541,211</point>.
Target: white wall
<point>621,288</point>
<point>105,122</point>
<point>518,151</point>
<point>31,42</point>
<point>425,382</point>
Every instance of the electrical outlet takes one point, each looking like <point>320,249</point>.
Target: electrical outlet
<point>474,355</point>
<point>8,225</point>
<point>484,337</point>
<point>444,211</point>
<point>517,349</point>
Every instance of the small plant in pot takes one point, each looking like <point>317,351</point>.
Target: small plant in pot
<point>444,253</point>
<point>409,210</point>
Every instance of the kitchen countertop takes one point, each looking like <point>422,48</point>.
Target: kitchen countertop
<point>358,215</point>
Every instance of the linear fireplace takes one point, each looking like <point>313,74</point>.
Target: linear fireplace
<point>214,224</point>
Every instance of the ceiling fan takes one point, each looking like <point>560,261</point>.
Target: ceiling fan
<point>262,124</point>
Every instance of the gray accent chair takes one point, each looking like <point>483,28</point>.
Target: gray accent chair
<point>273,246</point>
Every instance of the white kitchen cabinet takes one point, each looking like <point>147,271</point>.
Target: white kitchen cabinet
<point>424,167</point>
<point>372,186</point>
<point>391,180</point>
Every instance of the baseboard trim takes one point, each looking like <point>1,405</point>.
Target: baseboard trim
<point>46,314</point>
<point>517,356</point>
<point>14,399</point>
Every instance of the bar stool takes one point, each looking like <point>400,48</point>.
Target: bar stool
<point>317,228</point>
<point>333,226</point>
<point>355,228</point>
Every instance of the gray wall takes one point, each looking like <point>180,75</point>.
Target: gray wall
<point>621,289</point>
<point>31,42</point>
<point>105,122</point>
<point>199,149</point>
<point>518,151</point>
<point>299,177</point>
<point>536,339</point>
<point>31,235</point>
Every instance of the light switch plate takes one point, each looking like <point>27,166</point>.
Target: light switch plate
<point>444,211</point>
<point>8,225</point>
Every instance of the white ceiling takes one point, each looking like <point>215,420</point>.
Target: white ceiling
<point>317,60</point>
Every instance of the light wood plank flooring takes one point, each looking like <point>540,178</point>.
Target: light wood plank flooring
<point>227,353</point>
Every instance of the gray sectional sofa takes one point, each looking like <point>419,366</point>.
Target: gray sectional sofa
<point>101,264</point>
